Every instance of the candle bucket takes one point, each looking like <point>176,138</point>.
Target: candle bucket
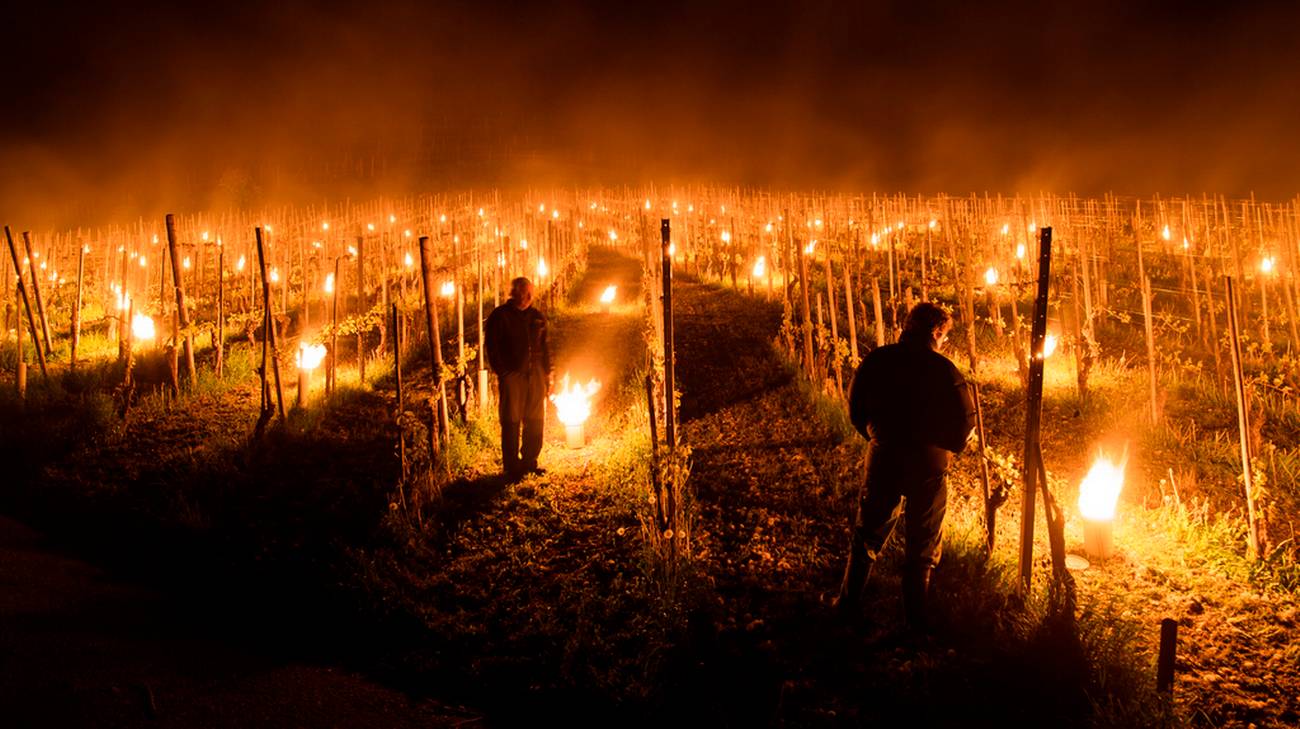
<point>1098,538</point>
<point>574,436</point>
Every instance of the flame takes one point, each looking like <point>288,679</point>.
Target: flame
<point>768,228</point>
<point>812,245</point>
<point>726,236</point>
<point>1100,489</point>
<point>449,289</point>
<point>523,244</point>
<point>760,267</point>
<point>185,263</point>
<point>329,283</point>
<point>410,262</point>
<point>393,218</point>
<point>555,214</point>
<point>991,276</point>
<point>239,265</point>
<point>1165,233</point>
<point>573,402</point>
<point>608,296</point>
<point>323,226</point>
<point>406,233</point>
<point>1006,228</point>
<point>1266,265</point>
<point>144,263</point>
<point>275,275</point>
<point>142,327</point>
<point>613,235</point>
<point>542,270</point>
<point>1049,345</point>
<point>933,223</point>
<point>1020,251</point>
<point>204,236</point>
<point>672,249</point>
<point>309,356</point>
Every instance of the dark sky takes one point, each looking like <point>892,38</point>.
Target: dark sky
<point>126,106</point>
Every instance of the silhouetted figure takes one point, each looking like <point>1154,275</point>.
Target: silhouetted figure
<point>912,403</point>
<point>518,353</point>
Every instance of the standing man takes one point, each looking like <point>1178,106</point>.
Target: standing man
<point>912,403</point>
<point>518,353</point>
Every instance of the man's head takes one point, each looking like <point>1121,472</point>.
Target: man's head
<point>521,293</point>
<point>928,321</point>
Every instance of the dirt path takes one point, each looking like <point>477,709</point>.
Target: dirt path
<point>80,648</point>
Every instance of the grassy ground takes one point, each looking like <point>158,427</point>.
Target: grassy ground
<point>543,598</point>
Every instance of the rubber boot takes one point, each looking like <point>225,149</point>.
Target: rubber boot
<point>916,587</point>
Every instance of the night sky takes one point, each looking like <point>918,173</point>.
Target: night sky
<point>126,109</point>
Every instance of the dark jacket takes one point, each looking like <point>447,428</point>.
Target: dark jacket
<point>516,340</point>
<point>908,394</point>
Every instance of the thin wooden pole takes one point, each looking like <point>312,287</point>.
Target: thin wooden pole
<point>670,414</point>
<point>1034,409</point>
<point>219,343</point>
<point>32,268</point>
<point>27,303</point>
<point>271,339</point>
<point>435,340</point>
<point>182,315</point>
<point>76,310</point>
<point>1243,419</point>
<point>990,508</point>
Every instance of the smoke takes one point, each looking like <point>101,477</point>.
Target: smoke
<point>119,112</point>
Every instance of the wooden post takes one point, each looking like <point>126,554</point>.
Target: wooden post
<point>670,411</point>
<point>853,324</point>
<point>27,303</point>
<point>182,314</point>
<point>1034,409</point>
<point>435,339</point>
<point>76,309</point>
<point>879,312</point>
<point>334,329</point>
<point>1243,419</point>
<point>1168,652</point>
<point>361,309</point>
<point>401,432</point>
<point>219,338</point>
<point>990,508</point>
<point>270,335</point>
<point>20,369</point>
<point>655,481</point>
<point>1152,374</point>
<point>807,313</point>
<point>32,268</point>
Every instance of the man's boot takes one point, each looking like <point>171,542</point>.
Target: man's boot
<point>916,587</point>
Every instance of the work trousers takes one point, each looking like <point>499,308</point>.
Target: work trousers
<point>522,400</point>
<point>910,474</point>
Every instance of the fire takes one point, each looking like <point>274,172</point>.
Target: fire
<point>185,263</point>
<point>1100,489</point>
<point>1020,251</point>
<point>1049,345</point>
<point>573,402</point>
<point>1165,233</point>
<point>310,356</point>
<point>812,245</point>
<point>542,270</point>
<point>991,276</point>
<point>410,262</point>
<point>142,327</point>
<point>275,275</point>
<point>1266,265</point>
<point>613,235</point>
<point>329,283</point>
<point>608,296</point>
<point>239,265</point>
<point>760,267</point>
<point>449,289</point>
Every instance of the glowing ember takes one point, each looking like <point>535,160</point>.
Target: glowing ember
<point>144,263</point>
<point>142,327</point>
<point>933,223</point>
<point>448,289</point>
<point>323,226</point>
<point>1100,489</point>
<point>608,297</point>
<point>573,401</point>
<point>991,276</point>
<point>1006,228</point>
<point>310,356</point>
<point>760,267</point>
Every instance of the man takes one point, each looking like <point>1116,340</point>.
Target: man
<point>518,353</point>
<point>912,403</point>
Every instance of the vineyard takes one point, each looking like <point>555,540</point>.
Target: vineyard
<point>305,389</point>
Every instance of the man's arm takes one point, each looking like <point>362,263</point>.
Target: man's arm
<point>860,405</point>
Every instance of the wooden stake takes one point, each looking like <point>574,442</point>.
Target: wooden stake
<point>182,315</point>
<point>670,393</point>
<point>435,340</point>
<point>1168,651</point>
<point>27,304</point>
<point>879,312</point>
<point>1243,419</point>
<point>219,339</point>
<point>990,508</point>
<point>32,268</point>
<point>853,323</point>
<point>270,334</point>
<point>1034,409</point>
<point>76,310</point>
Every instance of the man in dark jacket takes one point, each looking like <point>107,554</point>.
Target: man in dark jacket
<point>912,403</point>
<point>518,353</point>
